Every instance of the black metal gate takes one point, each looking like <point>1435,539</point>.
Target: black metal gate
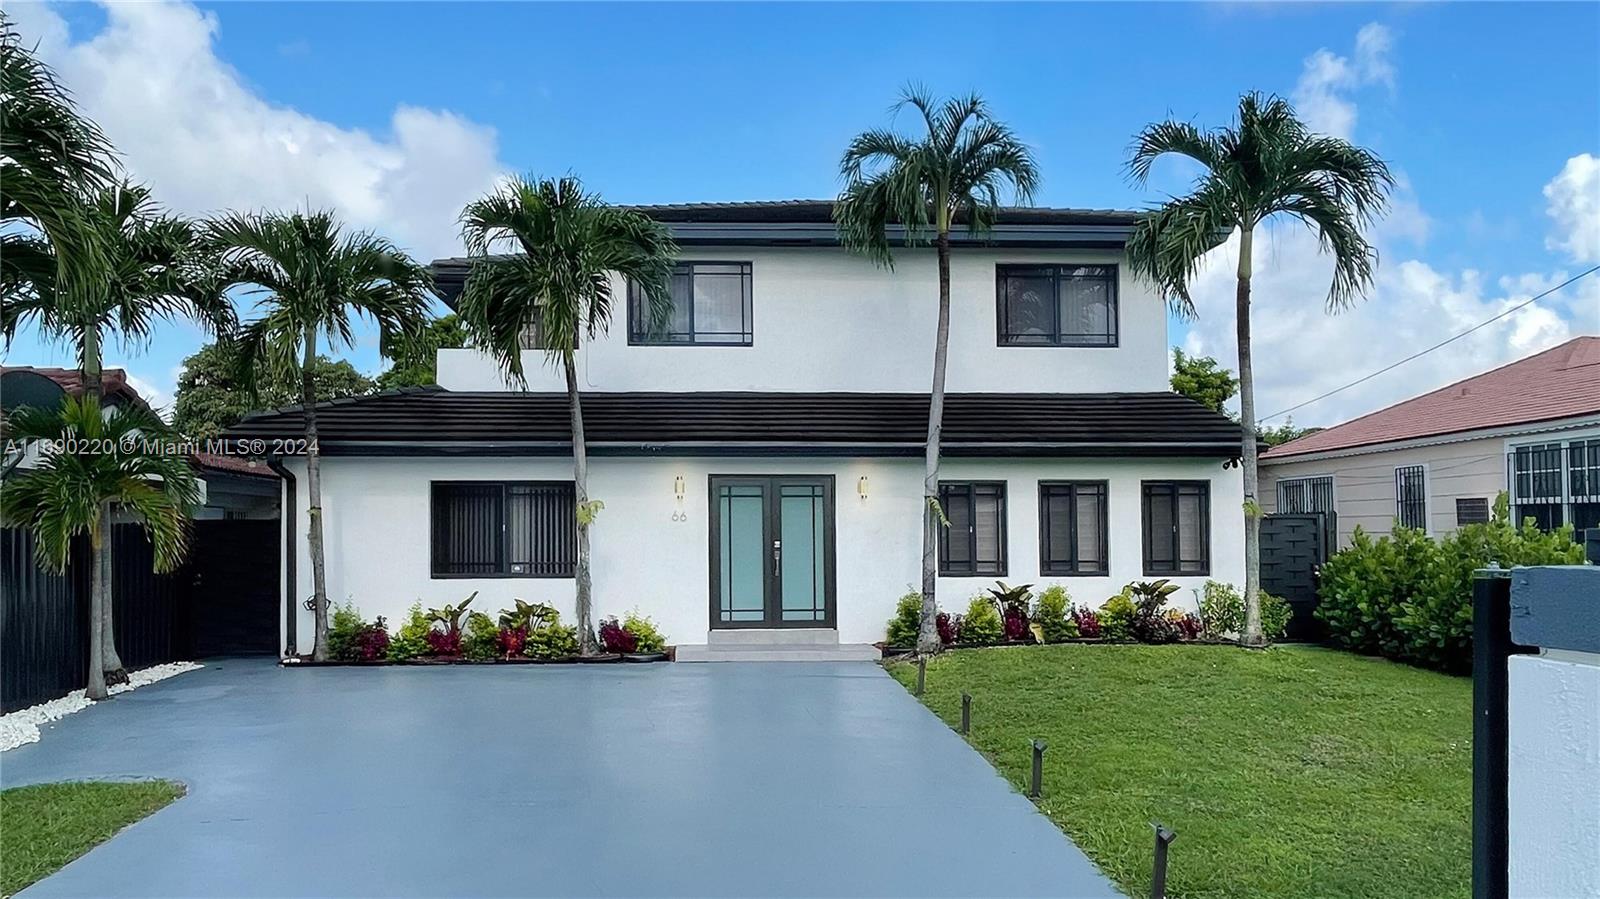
<point>233,587</point>
<point>1293,548</point>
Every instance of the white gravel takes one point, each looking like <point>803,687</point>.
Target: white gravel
<point>22,726</point>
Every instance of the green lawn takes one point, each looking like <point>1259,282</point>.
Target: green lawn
<point>45,826</point>
<point>1290,772</point>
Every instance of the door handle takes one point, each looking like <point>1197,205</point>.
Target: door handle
<point>777,557</point>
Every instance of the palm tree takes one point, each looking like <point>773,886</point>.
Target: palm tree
<point>309,279</point>
<point>152,266</point>
<point>955,171</point>
<point>558,286</point>
<point>70,494</point>
<point>1265,164</point>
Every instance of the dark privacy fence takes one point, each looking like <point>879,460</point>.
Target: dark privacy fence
<point>44,618</point>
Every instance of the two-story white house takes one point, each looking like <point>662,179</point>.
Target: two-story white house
<point>760,459</point>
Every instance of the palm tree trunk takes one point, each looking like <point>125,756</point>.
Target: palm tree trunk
<point>580,484</point>
<point>319,574</point>
<point>106,631</point>
<point>928,631</point>
<point>96,688</point>
<point>1247,422</point>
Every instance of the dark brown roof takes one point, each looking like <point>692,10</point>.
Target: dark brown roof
<point>433,421</point>
<point>796,212</point>
<point>231,464</point>
<point>1561,382</point>
<point>113,381</point>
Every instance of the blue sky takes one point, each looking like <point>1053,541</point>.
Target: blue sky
<point>394,113</point>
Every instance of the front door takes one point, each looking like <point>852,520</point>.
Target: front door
<point>772,551</point>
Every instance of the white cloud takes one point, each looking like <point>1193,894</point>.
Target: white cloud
<point>1574,204</point>
<point>206,140</point>
<point>1322,95</point>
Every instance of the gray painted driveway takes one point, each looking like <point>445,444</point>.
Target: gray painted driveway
<point>617,780</point>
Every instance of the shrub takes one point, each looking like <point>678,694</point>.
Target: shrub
<point>1087,623</point>
<point>907,621</point>
<point>1052,613</point>
<point>411,640</point>
<point>372,641</point>
<point>948,627</point>
<point>981,626</point>
<point>1222,611</point>
<point>646,636</point>
<point>444,643</point>
<point>482,640</point>
<point>553,641</point>
<point>1116,617</point>
<point>1275,615</point>
<point>1190,627</point>
<point>1151,623</point>
<point>343,628</point>
<point>615,638</point>
<point>1013,605</point>
<point>1409,597</point>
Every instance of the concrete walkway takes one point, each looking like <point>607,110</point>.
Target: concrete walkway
<point>647,780</point>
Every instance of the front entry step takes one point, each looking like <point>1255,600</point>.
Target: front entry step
<point>777,645</point>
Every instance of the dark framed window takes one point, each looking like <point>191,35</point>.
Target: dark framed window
<point>1057,305</point>
<point>1472,510</point>
<point>1073,528</point>
<point>975,541</point>
<point>710,307</point>
<point>1300,495</point>
<point>1411,496</point>
<point>1177,527</point>
<point>503,529</point>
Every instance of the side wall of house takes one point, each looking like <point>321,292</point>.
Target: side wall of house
<point>826,320</point>
<point>1364,485</point>
<point>377,527</point>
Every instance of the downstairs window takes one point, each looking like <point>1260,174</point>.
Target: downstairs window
<point>503,529</point>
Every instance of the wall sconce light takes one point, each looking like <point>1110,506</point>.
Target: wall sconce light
<point>677,487</point>
<point>861,487</point>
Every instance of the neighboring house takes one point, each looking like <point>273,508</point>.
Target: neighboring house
<point>1437,461</point>
<point>231,486</point>
<point>760,458</point>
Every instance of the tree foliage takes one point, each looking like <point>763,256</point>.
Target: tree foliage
<point>1202,379</point>
<point>414,364</point>
<point>212,394</point>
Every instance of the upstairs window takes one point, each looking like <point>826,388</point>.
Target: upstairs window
<point>504,529</point>
<point>975,541</point>
<point>710,307</point>
<point>1411,496</point>
<point>1057,305</point>
<point>1301,495</point>
<point>1177,527</point>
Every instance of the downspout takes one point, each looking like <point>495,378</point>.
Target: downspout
<point>290,520</point>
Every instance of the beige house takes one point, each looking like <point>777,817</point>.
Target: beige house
<point>1531,428</point>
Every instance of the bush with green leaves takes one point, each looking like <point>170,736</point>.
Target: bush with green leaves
<point>480,641</point>
<point>1052,612</point>
<point>1116,617</point>
<point>981,626</point>
<point>411,641</point>
<point>553,641</point>
<point>1409,597</point>
<point>1222,610</point>
<point>907,621</point>
<point>343,628</point>
<point>646,635</point>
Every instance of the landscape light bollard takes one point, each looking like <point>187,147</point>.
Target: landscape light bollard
<point>1038,769</point>
<point>1158,876</point>
<point>922,673</point>
<point>966,713</point>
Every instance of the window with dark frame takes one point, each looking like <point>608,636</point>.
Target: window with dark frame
<point>1073,528</point>
<point>1472,510</point>
<point>503,529</point>
<point>1302,495</point>
<point>1177,527</point>
<point>1411,496</point>
<point>974,543</point>
<point>711,306</point>
<point>1056,305</point>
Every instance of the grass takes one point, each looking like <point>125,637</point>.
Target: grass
<point>44,827</point>
<point>1296,771</point>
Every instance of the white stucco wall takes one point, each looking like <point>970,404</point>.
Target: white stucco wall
<point>377,528</point>
<point>1554,787</point>
<point>825,320</point>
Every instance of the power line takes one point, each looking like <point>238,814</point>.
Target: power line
<point>1419,353</point>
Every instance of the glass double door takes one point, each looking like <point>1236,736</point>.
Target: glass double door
<point>772,551</point>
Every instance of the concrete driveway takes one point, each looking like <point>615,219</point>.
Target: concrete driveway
<point>650,780</point>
